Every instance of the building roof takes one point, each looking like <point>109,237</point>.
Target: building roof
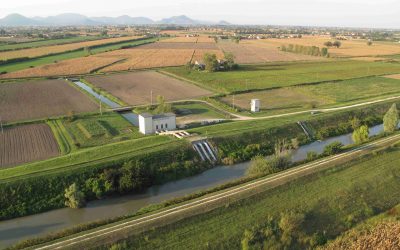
<point>158,116</point>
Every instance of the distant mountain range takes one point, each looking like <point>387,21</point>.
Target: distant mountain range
<point>71,19</point>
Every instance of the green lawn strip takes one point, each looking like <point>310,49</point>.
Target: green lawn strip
<point>34,62</point>
<point>88,157</point>
<point>111,127</point>
<point>264,76</point>
<point>48,42</point>
<point>60,134</point>
<point>200,109</point>
<point>327,199</point>
<point>336,94</point>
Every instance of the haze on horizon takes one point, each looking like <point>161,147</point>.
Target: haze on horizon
<point>334,13</point>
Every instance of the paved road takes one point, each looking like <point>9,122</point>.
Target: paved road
<point>238,117</point>
<point>215,198</point>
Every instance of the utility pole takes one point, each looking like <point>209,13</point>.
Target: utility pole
<point>151,97</point>
<point>101,112</point>
<point>247,84</point>
<point>1,125</point>
<point>233,101</point>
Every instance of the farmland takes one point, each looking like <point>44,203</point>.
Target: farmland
<point>199,39</point>
<point>266,76</point>
<point>47,42</point>
<point>331,202</point>
<point>318,95</point>
<point>349,48</point>
<point>26,143</point>
<point>97,130</point>
<point>48,50</point>
<point>52,63</point>
<point>135,88</point>
<point>41,99</point>
<point>196,112</point>
<point>247,52</point>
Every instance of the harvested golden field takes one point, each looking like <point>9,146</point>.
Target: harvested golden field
<point>385,235</point>
<point>27,143</point>
<point>75,66</point>
<point>150,58</point>
<point>349,48</point>
<point>135,88</point>
<point>42,51</point>
<point>166,45</point>
<point>396,76</point>
<point>41,99</point>
<point>180,39</point>
<point>248,52</point>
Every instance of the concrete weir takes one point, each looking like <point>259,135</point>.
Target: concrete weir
<point>205,150</point>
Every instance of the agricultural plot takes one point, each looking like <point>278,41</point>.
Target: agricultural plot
<point>69,63</point>
<point>46,42</point>
<point>135,88</point>
<point>41,99</point>
<point>196,112</point>
<point>75,66</point>
<point>266,76</point>
<point>48,50</point>
<point>199,39</point>
<point>318,95</point>
<point>247,53</point>
<point>166,45</point>
<point>100,130</point>
<point>27,143</point>
<point>349,48</point>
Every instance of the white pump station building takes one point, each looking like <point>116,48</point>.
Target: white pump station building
<point>255,105</point>
<point>150,124</point>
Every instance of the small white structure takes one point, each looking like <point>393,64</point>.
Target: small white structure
<point>150,124</point>
<point>255,105</point>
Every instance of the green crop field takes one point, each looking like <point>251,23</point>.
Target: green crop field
<point>305,97</point>
<point>251,77</point>
<point>15,66</point>
<point>332,202</point>
<point>47,42</point>
<point>100,130</point>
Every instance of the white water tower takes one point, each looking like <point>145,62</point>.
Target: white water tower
<point>255,105</point>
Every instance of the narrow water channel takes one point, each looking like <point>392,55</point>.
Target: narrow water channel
<point>130,116</point>
<point>14,230</point>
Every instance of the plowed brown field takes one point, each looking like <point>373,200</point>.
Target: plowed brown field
<point>135,88</point>
<point>27,143</point>
<point>41,99</point>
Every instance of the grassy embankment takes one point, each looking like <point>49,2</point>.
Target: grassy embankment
<point>332,202</point>
<point>15,66</point>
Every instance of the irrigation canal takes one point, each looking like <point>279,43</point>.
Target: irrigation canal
<point>14,230</point>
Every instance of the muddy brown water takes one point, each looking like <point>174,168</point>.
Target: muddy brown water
<point>14,230</point>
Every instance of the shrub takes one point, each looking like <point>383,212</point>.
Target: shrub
<point>74,197</point>
<point>361,134</point>
<point>333,148</point>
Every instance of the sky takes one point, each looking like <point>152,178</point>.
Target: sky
<point>338,13</point>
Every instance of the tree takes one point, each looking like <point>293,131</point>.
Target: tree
<point>391,119</point>
<point>333,148</point>
<point>355,123</point>
<point>162,106</point>
<point>74,197</point>
<point>369,43</point>
<point>211,62</point>
<point>328,44</point>
<point>230,61</point>
<point>361,134</point>
<point>88,50</point>
<point>324,52</point>
<point>337,44</point>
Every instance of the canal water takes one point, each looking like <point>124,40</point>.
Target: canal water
<point>130,116</point>
<point>14,230</point>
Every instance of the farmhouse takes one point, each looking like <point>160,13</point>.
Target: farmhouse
<point>150,124</point>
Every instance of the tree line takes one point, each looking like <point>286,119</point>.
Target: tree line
<point>305,50</point>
